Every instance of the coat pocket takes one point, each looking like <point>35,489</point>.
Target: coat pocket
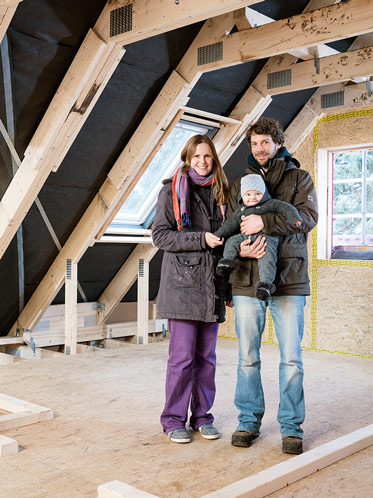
<point>187,271</point>
<point>291,271</point>
<point>242,276</point>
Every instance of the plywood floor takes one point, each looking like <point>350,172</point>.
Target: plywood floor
<point>106,426</point>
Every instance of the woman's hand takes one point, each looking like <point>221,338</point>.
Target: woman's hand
<point>212,240</point>
<point>253,250</point>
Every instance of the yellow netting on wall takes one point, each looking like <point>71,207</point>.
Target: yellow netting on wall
<point>316,262</point>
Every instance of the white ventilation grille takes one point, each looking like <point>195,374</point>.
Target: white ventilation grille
<point>121,20</point>
<point>210,53</point>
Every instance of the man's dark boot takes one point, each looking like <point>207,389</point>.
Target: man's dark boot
<point>292,445</point>
<point>243,438</point>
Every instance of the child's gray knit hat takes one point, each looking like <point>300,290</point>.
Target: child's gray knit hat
<point>252,182</point>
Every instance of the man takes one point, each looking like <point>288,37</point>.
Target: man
<point>287,182</point>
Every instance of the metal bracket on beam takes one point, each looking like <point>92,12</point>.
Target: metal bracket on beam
<point>99,306</point>
<point>316,59</point>
<point>369,87</point>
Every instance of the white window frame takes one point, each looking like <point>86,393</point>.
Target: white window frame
<point>325,197</point>
<point>122,223</point>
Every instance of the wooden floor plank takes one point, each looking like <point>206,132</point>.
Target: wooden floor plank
<point>106,425</point>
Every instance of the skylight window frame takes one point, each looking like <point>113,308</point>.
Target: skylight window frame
<point>131,223</point>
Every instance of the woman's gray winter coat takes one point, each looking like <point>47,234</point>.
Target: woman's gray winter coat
<point>186,289</point>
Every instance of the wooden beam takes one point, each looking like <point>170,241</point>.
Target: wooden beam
<point>56,337</point>
<point>8,3</point>
<point>118,489</point>
<point>33,171</point>
<point>251,106</point>
<point>74,100</point>
<point>332,69</point>
<point>7,10</point>
<point>120,179</point>
<point>126,22</point>
<point>257,19</point>
<point>21,412</point>
<point>278,476</point>
<point>350,18</point>
<point>300,127</point>
<point>355,97</point>
<point>8,446</point>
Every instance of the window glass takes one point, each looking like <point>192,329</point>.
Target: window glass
<point>347,165</point>
<point>351,206</point>
<point>140,203</point>
<point>347,198</point>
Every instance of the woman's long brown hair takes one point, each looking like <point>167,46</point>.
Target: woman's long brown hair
<point>220,187</point>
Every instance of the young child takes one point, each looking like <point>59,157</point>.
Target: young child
<point>255,199</point>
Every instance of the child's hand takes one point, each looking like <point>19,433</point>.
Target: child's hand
<point>298,223</point>
<point>212,240</point>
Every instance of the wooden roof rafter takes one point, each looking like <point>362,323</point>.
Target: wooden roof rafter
<point>111,194</point>
<point>355,97</point>
<point>250,107</point>
<point>84,82</point>
<point>121,178</point>
<point>7,10</point>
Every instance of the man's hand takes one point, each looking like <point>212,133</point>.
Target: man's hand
<point>252,224</point>
<point>255,250</point>
<point>212,240</point>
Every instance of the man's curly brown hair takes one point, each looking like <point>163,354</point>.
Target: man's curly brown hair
<point>267,126</point>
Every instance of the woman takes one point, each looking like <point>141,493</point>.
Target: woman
<point>189,206</point>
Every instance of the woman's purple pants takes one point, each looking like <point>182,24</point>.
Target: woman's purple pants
<point>190,374</point>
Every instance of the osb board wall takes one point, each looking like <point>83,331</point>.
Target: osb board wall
<point>344,293</point>
<point>344,309</point>
<point>351,131</point>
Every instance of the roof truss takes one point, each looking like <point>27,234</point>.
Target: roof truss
<point>126,170</point>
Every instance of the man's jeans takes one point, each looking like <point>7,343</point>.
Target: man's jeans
<point>288,317</point>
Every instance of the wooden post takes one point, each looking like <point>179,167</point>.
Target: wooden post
<point>71,281</point>
<point>143,302</point>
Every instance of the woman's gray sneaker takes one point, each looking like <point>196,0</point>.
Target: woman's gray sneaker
<point>208,431</point>
<point>180,436</point>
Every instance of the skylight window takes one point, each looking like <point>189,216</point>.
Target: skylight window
<point>137,210</point>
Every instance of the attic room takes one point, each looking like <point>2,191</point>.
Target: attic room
<point>97,101</point>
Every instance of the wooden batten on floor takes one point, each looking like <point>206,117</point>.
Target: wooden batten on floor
<point>8,446</point>
<point>21,413</point>
<point>117,489</point>
<point>274,478</point>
